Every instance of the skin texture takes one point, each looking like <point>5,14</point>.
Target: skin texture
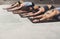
<point>46,16</point>
<point>15,9</point>
<point>13,5</point>
<point>39,12</point>
<point>42,10</point>
<point>31,13</point>
<point>19,12</point>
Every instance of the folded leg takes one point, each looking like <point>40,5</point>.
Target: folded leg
<point>19,12</point>
<point>14,5</point>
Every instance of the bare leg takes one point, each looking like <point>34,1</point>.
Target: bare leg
<point>28,14</point>
<point>46,17</point>
<point>19,12</point>
<point>17,8</point>
<point>13,5</point>
<point>40,16</point>
<point>35,21</point>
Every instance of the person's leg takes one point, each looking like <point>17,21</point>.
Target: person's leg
<point>25,14</point>
<point>35,20</point>
<point>25,4</point>
<point>14,5</point>
<point>41,10</point>
<point>29,14</point>
<point>15,8</point>
<point>45,17</point>
<point>22,10</point>
<point>19,12</point>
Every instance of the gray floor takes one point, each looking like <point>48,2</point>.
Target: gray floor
<point>14,27</point>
